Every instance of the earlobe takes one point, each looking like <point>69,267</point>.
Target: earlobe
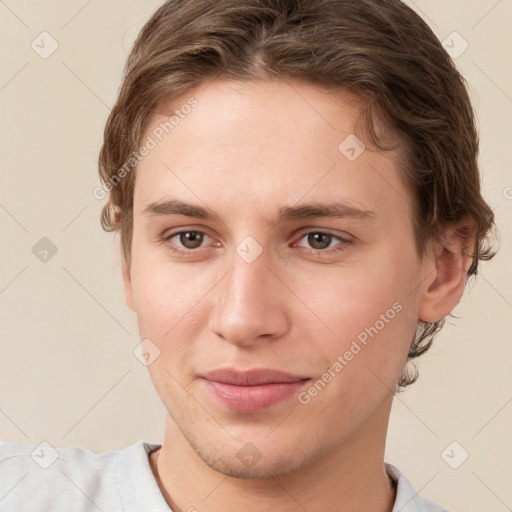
<point>444,285</point>
<point>127,284</point>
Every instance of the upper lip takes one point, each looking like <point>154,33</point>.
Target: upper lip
<point>251,377</point>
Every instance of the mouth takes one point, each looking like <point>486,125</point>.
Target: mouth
<point>252,390</point>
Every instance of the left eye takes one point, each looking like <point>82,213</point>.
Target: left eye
<point>319,240</point>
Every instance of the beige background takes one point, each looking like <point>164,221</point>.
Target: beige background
<point>67,371</point>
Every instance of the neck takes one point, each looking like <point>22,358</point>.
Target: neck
<point>349,478</point>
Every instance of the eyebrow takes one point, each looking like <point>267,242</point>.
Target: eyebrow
<point>335,210</point>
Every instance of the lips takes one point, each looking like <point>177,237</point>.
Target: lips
<point>252,390</point>
<point>252,377</point>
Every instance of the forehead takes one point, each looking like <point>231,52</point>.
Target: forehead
<point>262,146</point>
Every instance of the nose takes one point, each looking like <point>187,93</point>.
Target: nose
<point>250,304</point>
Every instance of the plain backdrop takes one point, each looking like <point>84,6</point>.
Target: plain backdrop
<point>67,370</point>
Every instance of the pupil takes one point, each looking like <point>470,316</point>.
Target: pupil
<point>191,239</point>
<point>319,240</point>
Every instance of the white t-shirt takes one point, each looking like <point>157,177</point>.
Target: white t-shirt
<point>43,479</point>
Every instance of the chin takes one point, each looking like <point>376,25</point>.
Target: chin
<point>268,460</point>
<point>261,470</point>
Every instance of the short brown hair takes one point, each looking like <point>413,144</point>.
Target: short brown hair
<point>379,49</point>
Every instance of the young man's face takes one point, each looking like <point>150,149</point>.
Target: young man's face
<point>252,290</point>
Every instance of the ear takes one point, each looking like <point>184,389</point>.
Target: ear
<point>446,272</point>
<point>127,284</point>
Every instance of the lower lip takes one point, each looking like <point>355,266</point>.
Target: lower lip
<point>253,398</point>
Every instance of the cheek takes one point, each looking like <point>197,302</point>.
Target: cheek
<point>351,298</point>
<point>166,303</point>
<point>371,313</point>
<point>360,365</point>
<point>163,292</point>
<point>172,302</point>
<point>168,306</point>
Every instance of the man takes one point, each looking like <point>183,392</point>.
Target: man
<point>297,192</point>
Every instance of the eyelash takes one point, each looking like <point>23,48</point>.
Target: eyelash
<point>344,242</point>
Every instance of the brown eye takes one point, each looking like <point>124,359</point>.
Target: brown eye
<point>191,239</point>
<point>323,243</point>
<point>319,240</point>
<point>187,242</point>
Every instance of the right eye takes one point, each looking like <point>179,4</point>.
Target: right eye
<point>187,241</point>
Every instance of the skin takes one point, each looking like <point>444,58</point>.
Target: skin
<point>244,152</point>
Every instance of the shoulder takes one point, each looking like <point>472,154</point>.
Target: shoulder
<point>407,498</point>
<point>33,477</point>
